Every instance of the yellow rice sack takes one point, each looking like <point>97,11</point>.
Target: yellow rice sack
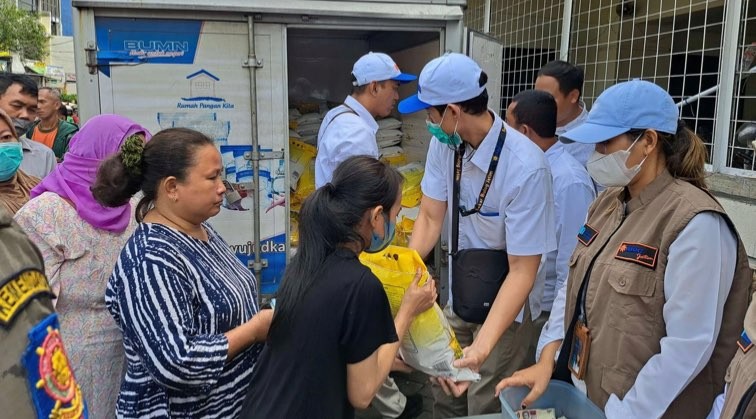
<point>430,345</point>
<point>300,156</point>
<point>411,191</point>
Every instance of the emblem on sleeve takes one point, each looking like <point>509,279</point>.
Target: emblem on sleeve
<point>744,342</point>
<point>19,290</point>
<point>638,253</point>
<point>54,390</point>
<point>586,235</point>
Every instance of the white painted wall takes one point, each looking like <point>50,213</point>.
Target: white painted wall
<point>62,55</point>
<point>744,217</point>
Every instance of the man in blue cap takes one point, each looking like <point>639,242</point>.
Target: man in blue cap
<point>349,129</point>
<point>504,211</point>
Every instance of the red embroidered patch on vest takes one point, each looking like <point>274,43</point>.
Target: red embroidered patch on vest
<point>638,253</point>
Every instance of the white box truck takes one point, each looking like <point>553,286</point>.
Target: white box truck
<point>234,68</point>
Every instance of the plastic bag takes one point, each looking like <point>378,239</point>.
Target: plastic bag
<point>411,191</point>
<point>394,156</point>
<point>300,156</point>
<point>403,231</point>
<point>430,345</point>
<point>305,187</point>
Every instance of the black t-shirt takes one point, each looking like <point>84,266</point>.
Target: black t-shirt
<point>302,372</point>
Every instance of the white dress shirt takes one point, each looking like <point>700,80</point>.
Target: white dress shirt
<point>39,160</point>
<point>573,194</point>
<point>347,135</point>
<point>518,212</point>
<point>580,151</point>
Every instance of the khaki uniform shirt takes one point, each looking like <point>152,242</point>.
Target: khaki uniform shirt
<point>35,376</point>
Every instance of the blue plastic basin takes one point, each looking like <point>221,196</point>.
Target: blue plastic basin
<point>564,398</point>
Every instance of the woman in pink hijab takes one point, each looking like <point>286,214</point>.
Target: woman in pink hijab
<point>80,241</point>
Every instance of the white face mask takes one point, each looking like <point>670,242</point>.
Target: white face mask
<point>611,169</point>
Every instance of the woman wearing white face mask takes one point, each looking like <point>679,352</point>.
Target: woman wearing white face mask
<point>659,281</point>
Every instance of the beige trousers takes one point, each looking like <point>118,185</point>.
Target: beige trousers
<point>509,355</point>
<point>389,402</point>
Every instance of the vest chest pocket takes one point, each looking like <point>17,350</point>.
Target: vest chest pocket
<point>635,308</point>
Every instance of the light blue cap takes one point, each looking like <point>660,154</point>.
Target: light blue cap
<point>634,104</point>
<point>450,78</point>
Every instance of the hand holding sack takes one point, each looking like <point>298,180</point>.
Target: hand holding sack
<point>430,345</point>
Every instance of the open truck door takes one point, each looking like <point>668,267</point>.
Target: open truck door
<point>488,52</point>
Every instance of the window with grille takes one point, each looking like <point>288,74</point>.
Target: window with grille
<point>674,43</point>
<point>741,146</point>
<point>677,44</point>
<point>531,33</point>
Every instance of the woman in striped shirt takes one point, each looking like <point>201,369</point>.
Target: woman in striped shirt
<point>186,306</point>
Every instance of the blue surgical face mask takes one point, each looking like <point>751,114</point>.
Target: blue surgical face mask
<point>453,140</point>
<point>379,243</point>
<point>11,155</point>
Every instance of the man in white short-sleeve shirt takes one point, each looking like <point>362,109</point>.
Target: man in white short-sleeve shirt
<point>517,215</point>
<point>349,129</point>
<point>564,82</point>
<point>534,113</point>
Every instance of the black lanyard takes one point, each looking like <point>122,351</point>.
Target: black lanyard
<point>456,209</point>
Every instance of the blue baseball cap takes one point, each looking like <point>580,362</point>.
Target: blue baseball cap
<point>634,104</point>
<point>377,66</point>
<point>450,78</point>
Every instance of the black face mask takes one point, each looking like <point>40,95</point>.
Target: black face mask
<point>21,126</point>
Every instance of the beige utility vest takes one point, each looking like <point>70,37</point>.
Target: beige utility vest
<point>741,374</point>
<point>625,291</point>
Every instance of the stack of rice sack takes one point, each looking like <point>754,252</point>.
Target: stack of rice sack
<point>305,126</point>
<point>389,138</point>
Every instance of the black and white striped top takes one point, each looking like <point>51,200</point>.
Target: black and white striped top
<point>173,297</point>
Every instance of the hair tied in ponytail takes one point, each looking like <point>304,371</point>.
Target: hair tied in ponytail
<point>131,154</point>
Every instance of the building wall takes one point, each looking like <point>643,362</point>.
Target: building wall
<point>62,55</point>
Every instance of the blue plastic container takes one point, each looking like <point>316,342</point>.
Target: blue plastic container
<point>564,398</point>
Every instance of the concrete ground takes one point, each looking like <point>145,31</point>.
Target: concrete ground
<point>416,382</point>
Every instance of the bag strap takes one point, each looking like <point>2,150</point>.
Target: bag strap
<point>459,153</point>
<point>348,110</point>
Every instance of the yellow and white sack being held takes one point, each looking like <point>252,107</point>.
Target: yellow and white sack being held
<point>430,345</point>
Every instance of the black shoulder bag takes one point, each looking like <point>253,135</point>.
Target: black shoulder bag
<point>477,274</point>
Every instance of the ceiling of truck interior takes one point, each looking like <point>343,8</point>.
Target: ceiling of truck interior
<point>385,41</point>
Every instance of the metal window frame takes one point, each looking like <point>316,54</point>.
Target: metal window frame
<point>730,51</point>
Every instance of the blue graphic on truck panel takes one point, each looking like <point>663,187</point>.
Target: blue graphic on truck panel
<point>159,41</point>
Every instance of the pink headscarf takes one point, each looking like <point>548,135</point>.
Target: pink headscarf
<point>98,139</point>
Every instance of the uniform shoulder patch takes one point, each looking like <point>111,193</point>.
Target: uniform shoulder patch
<point>17,291</point>
<point>744,342</point>
<point>587,234</point>
<point>53,388</point>
<point>639,253</point>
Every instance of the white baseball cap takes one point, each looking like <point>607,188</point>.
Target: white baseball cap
<point>376,66</point>
<point>450,78</point>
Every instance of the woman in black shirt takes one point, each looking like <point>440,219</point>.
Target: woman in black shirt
<point>333,341</point>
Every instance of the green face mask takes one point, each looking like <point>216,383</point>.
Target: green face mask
<point>453,140</point>
<point>11,155</point>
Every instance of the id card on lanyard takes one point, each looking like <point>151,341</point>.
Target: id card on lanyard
<point>581,340</point>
